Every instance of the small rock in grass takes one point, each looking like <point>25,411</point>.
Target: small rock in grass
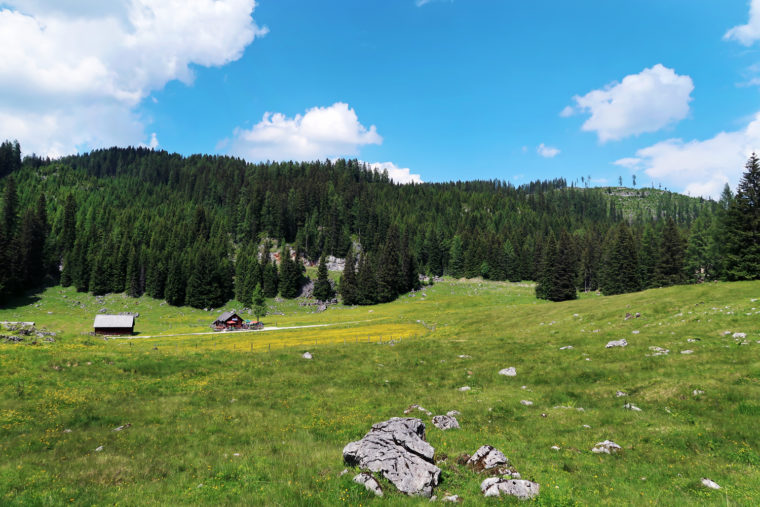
<point>99,448</point>
<point>527,403</point>
<point>555,448</point>
<point>464,356</point>
<point>740,335</point>
<point>566,347</point>
<point>692,340</point>
<point>631,406</point>
<point>710,484</point>
<point>687,352</point>
<point>453,413</point>
<point>369,482</point>
<point>516,475</point>
<point>587,426</point>
<point>620,394</point>
<point>487,458</point>
<point>344,472</point>
<point>616,343</point>
<point>306,355</point>
<point>495,487</point>
<point>659,351</point>
<point>508,372</point>
<point>697,392</point>
<point>236,454</point>
<point>123,427</point>
<point>635,331</point>
<point>606,447</point>
<point>464,388</point>
<point>67,430</point>
<point>412,408</point>
<point>452,498</point>
<point>445,422</point>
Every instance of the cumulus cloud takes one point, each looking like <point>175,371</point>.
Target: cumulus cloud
<point>547,151</point>
<point>699,168</point>
<point>73,72</point>
<point>322,132</point>
<point>750,33</point>
<point>396,173</point>
<point>643,102</point>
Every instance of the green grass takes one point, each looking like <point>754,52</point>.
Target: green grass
<point>196,401</point>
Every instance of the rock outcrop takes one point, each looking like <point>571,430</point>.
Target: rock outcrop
<point>397,450</point>
<point>445,422</point>
<point>496,486</point>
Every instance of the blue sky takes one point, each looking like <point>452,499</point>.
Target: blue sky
<point>449,90</point>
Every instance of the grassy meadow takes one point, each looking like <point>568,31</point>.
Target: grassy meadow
<point>242,418</point>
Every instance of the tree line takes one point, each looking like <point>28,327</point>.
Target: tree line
<point>201,230</point>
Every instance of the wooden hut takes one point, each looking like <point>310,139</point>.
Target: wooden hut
<point>228,320</point>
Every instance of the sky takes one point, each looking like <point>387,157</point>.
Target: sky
<point>431,90</point>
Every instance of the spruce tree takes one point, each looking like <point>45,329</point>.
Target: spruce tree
<point>259,306</point>
<point>174,292</point>
<point>648,258</point>
<point>365,277</point>
<point>388,269</point>
<point>743,226</point>
<point>270,280</point>
<point>323,290</point>
<point>456,257</point>
<point>620,264</point>
<point>669,269</point>
<point>546,271</point>
<point>565,271</point>
<point>349,290</point>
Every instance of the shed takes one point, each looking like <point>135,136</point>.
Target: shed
<point>114,324</point>
<point>228,320</point>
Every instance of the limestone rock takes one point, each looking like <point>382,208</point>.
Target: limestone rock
<point>486,458</point>
<point>697,392</point>
<point>452,498</point>
<point>464,388</point>
<point>495,487</point>
<point>617,343</point>
<point>508,372</point>
<point>740,335</point>
<point>445,422</point>
<point>631,406</point>
<point>527,403</point>
<point>566,347</point>
<point>659,351</point>
<point>412,408</point>
<point>397,449</point>
<point>620,394</point>
<point>306,355</point>
<point>606,447</point>
<point>453,413</point>
<point>369,482</point>
<point>710,484</point>
<point>687,352</point>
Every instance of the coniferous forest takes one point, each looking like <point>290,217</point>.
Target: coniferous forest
<point>202,230</point>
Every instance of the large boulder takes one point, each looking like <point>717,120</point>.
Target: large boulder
<point>496,486</point>
<point>369,482</point>
<point>397,449</point>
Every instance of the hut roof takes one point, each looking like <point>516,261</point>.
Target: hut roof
<point>224,317</point>
<point>114,321</point>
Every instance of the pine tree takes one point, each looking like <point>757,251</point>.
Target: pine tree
<point>323,290</point>
<point>269,278</point>
<point>743,226</point>
<point>698,262</point>
<point>648,257</point>
<point>456,257</point>
<point>546,272</point>
<point>620,263</point>
<point>365,277</point>
<point>69,233</point>
<point>565,271</point>
<point>134,286</point>
<point>348,283</point>
<point>174,292</point>
<point>669,269</point>
<point>388,269</point>
<point>259,306</point>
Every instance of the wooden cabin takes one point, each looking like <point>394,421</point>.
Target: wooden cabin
<point>114,324</point>
<point>228,320</point>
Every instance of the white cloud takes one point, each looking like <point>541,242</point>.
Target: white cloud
<point>644,102</point>
<point>396,173</point>
<point>322,132</point>
<point>750,33</point>
<point>82,67</point>
<point>699,168</point>
<point>547,151</point>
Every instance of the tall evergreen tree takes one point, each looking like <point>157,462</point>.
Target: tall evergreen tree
<point>389,276</point>
<point>620,264</point>
<point>743,226</point>
<point>174,292</point>
<point>546,273</point>
<point>565,271</point>
<point>323,290</point>
<point>259,305</point>
<point>349,290</point>
<point>456,257</point>
<point>366,281</point>
<point>669,269</point>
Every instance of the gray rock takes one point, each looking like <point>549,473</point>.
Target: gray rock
<point>508,372</point>
<point>631,406</point>
<point>464,388</point>
<point>620,394</point>
<point>445,422</point>
<point>659,351</point>
<point>452,498</point>
<point>412,408</point>
<point>606,447</point>
<point>710,484</point>
<point>527,403</point>
<point>306,355</point>
<point>617,343</point>
<point>453,413</point>
<point>369,482</point>
<point>99,448</point>
<point>486,458</point>
<point>740,335</point>
<point>397,449</point>
<point>495,487</point>
<point>566,347</point>
<point>687,352</point>
<point>697,392</point>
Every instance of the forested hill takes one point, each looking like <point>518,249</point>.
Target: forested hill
<point>189,229</point>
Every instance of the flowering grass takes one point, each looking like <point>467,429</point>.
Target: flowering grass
<point>222,419</point>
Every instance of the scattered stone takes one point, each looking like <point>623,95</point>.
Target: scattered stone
<point>397,449</point>
<point>587,426</point>
<point>740,335</point>
<point>453,413</point>
<point>464,388</point>
<point>445,422</point>
<point>631,406</point>
<point>617,343</point>
<point>606,447</point>
<point>495,487</point>
<point>515,475</point>
<point>464,356</point>
<point>692,340</point>
<point>67,430</point>
<point>636,331</point>
<point>452,498</point>
<point>620,394</point>
<point>687,352</point>
<point>508,372</point>
<point>555,448</point>
<point>99,448</point>
<point>412,408</point>
<point>527,403</point>
<point>344,472</point>
<point>236,454</point>
<point>487,458</point>
<point>306,355</point>
<point>369,482</point>
<point>710,484</point>
<point>697,392</point>
<point>566,347</point>
<point>726,333</point>
<point>659,351</point>
<point>123,427</point>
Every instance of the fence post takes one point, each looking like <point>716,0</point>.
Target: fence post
<point>269,346</point>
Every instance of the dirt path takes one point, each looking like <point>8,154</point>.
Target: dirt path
<point>222,333</point>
